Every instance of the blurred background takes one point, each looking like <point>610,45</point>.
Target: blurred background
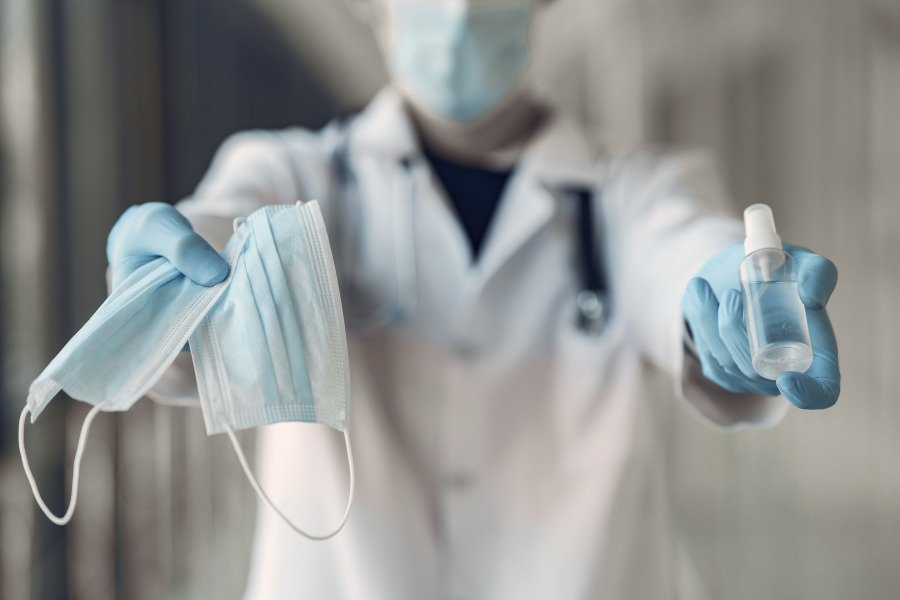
<point>108,103</point>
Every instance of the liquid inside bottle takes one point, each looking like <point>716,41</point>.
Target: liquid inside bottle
<point>776,325</point>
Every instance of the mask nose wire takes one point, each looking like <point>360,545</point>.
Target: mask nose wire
<point>262,494</point>
<point>76,473</point>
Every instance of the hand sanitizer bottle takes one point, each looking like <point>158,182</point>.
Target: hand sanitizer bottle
<point>776,318</point>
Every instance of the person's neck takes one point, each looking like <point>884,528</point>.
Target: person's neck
<point>493,142</point>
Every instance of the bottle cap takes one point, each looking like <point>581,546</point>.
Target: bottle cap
<point>760,227</point>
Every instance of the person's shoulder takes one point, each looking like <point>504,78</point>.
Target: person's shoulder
<point>655,170</point>
<point>264,156</point>
<point>273,163</point>
<point>657,164</point>
<point>655,173</point>
<point>289,143</point>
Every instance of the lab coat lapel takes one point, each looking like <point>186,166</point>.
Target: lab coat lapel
<point>383,133</point>
<point>560,157</point>
<point>525,208</point>
<point>383,129</point>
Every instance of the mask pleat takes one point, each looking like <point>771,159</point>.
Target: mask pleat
<point>279,258</point>
<point>268,321</point>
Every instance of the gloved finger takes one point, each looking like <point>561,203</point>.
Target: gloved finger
<point>733,331</point>
<point>810,391</point>
<point>157,229</point>
<point>126,266</point>
<point>736,383</point>
<point>816,276</point>
<point>716,373</point>
<point>152,228</point>
<point>820,386</point>
<point>733,380</point>
<point>115,235</point>
<point>194,257</point>
<point>701,310</point>
<point>147,229</point>
<point>721,271</point>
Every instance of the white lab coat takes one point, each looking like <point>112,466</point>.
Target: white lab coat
<point>501,453</point>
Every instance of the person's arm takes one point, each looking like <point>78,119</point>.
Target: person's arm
<point>254,169</point>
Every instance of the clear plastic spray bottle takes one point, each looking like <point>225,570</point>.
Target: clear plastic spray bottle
<point>776,318</point>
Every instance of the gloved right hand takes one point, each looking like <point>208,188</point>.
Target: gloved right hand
<point>147,231</point>
<point>715,314</point>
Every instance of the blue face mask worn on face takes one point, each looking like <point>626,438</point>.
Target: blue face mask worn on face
<point>268,343</point>
<point>460,61</point>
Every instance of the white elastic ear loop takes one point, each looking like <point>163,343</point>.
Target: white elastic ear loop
<point>76,473</point>
<point>267,500</point>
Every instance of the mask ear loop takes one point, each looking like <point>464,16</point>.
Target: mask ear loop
<point>262,494</point>
<point>76,473</point>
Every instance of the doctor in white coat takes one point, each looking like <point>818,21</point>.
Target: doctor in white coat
<point>511,366</point>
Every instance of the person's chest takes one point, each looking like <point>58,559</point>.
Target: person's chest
<point>411,260</point>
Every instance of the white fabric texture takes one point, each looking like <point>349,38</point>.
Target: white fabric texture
<point>501,453</point>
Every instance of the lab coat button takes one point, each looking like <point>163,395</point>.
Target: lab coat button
<point>460,481</point>
<point>467,351</point>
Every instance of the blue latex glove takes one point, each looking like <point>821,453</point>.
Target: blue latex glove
<point>147,231</point>
<point>714,312</point>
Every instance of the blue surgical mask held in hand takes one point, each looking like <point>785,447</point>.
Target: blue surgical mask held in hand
<point>714,310</point>
<point>460,59</point>
<point>268,341</point>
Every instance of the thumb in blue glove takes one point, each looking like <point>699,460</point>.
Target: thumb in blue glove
<point>155,229</point>
<point>713,310</point>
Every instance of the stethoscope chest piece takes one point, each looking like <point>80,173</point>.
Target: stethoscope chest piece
<point>592,311</point>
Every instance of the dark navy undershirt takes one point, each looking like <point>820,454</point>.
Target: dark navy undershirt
<point>474,192</point>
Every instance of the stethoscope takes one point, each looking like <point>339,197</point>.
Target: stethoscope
<point>591,301</point>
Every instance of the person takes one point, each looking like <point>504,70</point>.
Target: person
<point>509,429</point>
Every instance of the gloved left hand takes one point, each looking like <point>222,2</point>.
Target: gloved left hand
<point>147,231</point>
<point>714,311</point>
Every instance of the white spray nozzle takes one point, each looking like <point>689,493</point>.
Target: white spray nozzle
<point>760,227</point>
